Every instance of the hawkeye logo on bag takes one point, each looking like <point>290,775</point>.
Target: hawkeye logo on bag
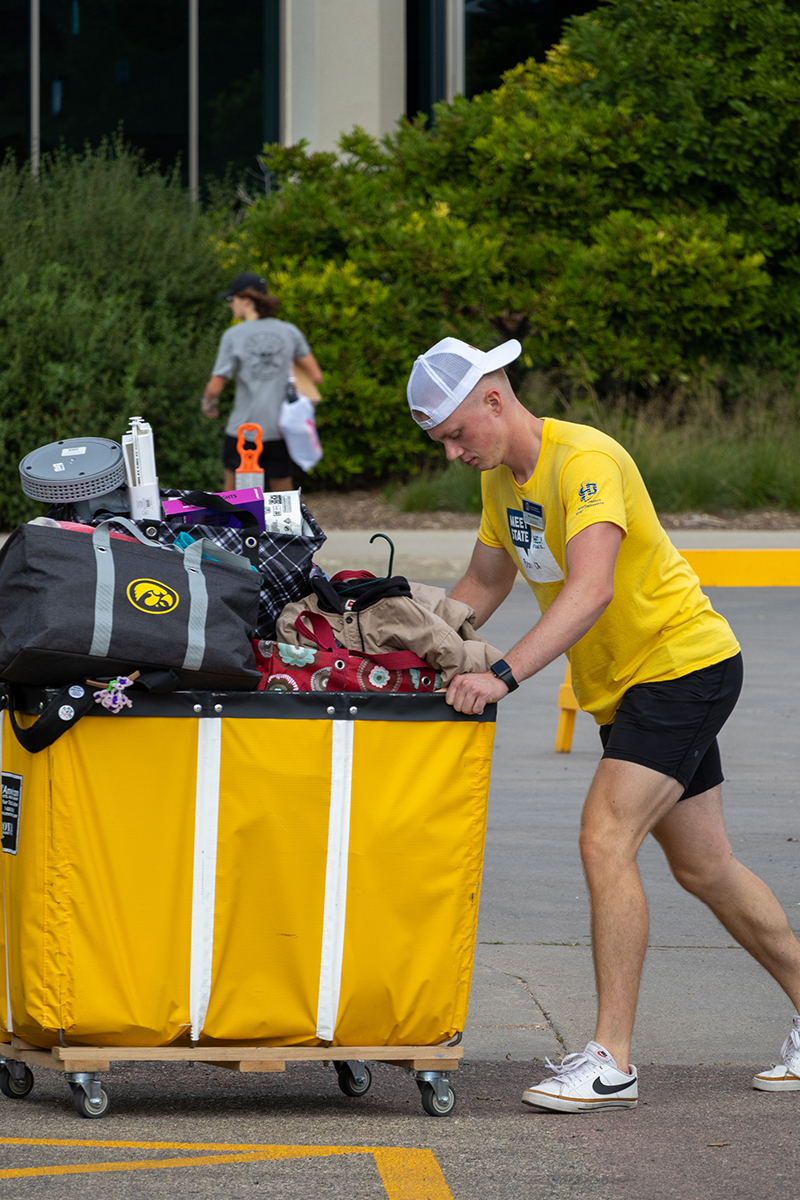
<point>150,596</point>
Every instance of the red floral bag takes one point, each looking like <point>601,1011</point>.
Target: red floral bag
<point>330,668</point>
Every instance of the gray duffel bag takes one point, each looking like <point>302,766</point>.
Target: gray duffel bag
<point>74,605</point>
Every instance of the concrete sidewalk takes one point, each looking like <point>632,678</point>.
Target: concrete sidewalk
<point>443,554</point>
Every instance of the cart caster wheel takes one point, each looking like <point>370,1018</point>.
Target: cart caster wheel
<point>433,1105</point>
<point>15,1088</point>
<point>347,1081</point>
<point>84,1106</point>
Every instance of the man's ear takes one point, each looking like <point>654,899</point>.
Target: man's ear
<point>495,400</point>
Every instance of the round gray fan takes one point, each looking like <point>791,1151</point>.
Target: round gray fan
<point>72,470</point>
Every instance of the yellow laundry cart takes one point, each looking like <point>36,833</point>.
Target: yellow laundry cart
<point>245,879</point>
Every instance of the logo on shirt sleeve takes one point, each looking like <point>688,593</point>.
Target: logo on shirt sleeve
<point>587,490</point>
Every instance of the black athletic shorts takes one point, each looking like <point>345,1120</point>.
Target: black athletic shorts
<point>274,458</point>
<point>672,726</point>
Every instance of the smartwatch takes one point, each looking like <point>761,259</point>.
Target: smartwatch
<point>503,671</point>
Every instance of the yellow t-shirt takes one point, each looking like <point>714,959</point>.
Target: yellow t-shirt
<point>659,624</point>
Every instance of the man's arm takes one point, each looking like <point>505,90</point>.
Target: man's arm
<point>489,578</point>
<point>589,589</point>
<point>211,395</point>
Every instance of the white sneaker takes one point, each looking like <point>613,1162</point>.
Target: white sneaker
<point>785,1077</point>
<point>584,1083</point>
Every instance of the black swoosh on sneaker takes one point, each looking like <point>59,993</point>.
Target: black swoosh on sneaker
<point>605,1089</point>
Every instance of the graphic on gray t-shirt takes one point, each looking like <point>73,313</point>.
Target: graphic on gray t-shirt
<point>260,354</point>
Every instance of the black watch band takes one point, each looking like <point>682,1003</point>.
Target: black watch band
<point>503,671</point>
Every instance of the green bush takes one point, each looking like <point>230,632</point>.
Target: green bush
<point>108,308</point>
<point>454,488</point>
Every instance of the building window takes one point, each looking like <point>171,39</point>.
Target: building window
<point>425,55</point>
<point>502,33</point>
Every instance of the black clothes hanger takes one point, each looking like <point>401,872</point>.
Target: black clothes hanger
<point>354,587</point>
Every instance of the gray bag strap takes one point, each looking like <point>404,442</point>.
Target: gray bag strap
<point>104,589</point>
<point>198,594</point>
<point>198,607</point>
<point>102,533</point>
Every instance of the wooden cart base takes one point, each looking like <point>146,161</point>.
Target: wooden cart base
<point>82,1065</point>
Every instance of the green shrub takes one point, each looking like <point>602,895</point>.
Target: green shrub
<point>454,488</point>
<point>108,308</point>
<point>646,298</point>
<point>720,83</point>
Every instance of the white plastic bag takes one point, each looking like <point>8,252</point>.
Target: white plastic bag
<point>299,430</point>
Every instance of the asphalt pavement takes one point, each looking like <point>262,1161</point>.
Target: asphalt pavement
<point>708,1016</point>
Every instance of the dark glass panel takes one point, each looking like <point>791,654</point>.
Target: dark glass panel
<point>501,33</point>
<point>112,63</point>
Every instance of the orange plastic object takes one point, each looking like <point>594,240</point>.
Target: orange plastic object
<point>249,455</point>
<point>568,704</point>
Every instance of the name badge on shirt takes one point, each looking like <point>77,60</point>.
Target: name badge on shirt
<point>533,552</point>
<point>533,514</point>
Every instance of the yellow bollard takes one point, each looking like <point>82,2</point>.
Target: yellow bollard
<point>566,720</point>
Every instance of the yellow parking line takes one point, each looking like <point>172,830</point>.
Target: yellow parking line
<point>411,1174</point>
<point>407,1173</point>
<point>271,1151</point>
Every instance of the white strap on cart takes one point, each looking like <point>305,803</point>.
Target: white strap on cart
<point>330,973</point>
<point>209,749</point>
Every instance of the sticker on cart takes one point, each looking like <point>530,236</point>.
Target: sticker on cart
<point>12,801</point>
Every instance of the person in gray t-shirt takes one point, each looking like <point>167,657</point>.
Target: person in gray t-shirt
<point>260,351</point>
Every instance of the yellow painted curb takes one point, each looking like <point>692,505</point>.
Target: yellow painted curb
<point>745,568</point>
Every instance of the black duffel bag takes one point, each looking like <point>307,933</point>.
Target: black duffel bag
<point>74,605</point>
<point>284,560</point>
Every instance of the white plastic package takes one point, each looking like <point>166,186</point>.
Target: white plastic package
<point>299,430</point>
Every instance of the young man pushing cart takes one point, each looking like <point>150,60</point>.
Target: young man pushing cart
<point>652,661</point>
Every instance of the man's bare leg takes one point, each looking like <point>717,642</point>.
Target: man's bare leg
<point>693,837</point>
<point>624,802</point>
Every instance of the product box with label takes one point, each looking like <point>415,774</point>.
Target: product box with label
<point>250,498</point>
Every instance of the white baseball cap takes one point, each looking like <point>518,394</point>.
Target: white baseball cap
<point>447,373</point>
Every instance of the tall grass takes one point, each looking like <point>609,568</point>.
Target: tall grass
<point>700,450</point>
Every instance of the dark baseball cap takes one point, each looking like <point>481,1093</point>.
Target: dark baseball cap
<point>241,282</point>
